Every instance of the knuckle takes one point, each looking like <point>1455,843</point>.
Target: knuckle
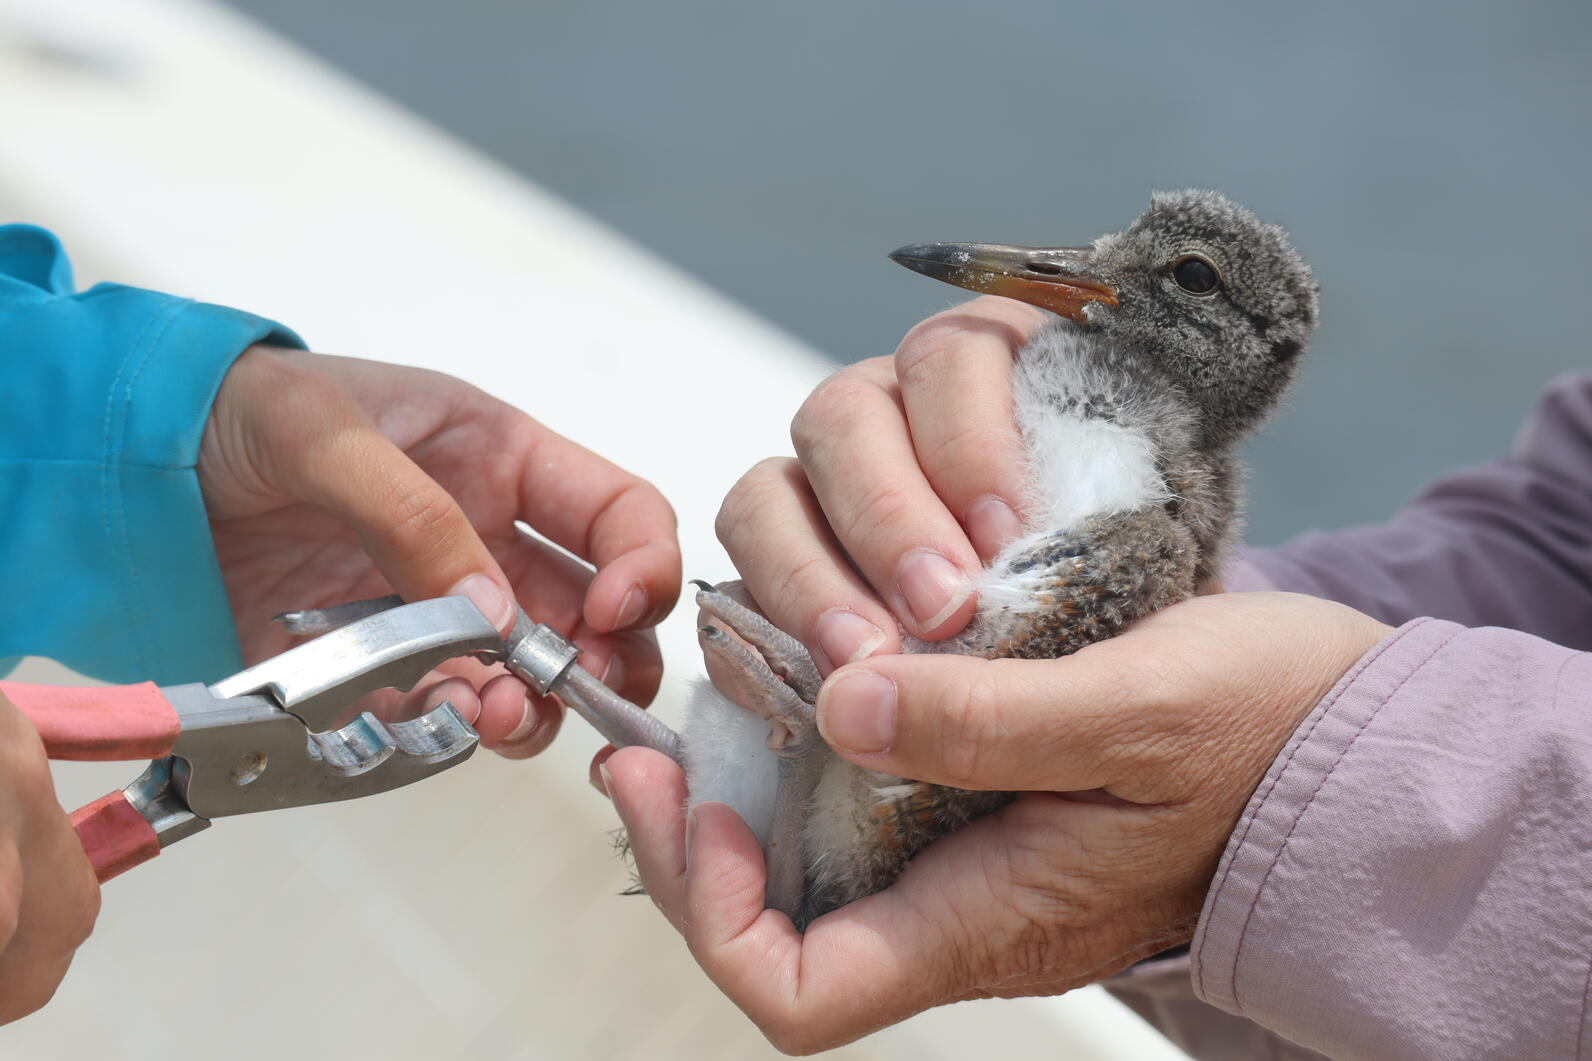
<point>1154,678</point>
<point>881,505</point>
<point>637,508</point>
<point>1007,936</point>
<point>830,409</point>
<point>944,334</point>
<point>646,497</point>
<point>84,910</point>
<point>304,397</point>
<point>749,496</point>
<point>927,350</point>
<point>1149,725</point>
<point>970,722</point>
<point>1034,918</point>
<point>800,589</point>
<point>28,772</point>
<point>1063,888</point>
<point>968,447</point>
<point>423,522</point>
<point>988,961</point>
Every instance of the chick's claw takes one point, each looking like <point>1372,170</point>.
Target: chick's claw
<point>783,654</point>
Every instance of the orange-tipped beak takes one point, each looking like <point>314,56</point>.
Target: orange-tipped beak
<point>1053,278</point>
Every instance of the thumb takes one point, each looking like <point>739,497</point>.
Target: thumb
<point>413,529</point>
<point>1019,725</point>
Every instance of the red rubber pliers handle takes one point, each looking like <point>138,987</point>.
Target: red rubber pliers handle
<point>104,724</point>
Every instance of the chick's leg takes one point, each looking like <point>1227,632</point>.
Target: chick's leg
<point>622,723</point>
<point>798,750</point>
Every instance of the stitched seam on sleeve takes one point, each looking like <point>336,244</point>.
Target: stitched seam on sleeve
<point>121,395</point>
<point>1580,1033</point>
<point>110,482</point>
<point>69,462</point>
<point>1282,849</point>
<point>1342,687</point>
<point>1586,990</point>
<point>146,648</point>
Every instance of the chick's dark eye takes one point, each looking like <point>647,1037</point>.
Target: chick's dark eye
<point>1196,276</point>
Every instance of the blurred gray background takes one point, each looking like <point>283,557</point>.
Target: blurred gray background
<point>1432,162</point>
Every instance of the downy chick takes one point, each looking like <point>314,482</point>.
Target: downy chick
<point>1174,339</point>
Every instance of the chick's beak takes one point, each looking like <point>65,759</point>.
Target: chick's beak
<point>1053,278</point>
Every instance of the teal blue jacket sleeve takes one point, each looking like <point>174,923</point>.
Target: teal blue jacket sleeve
<point>106,559</point>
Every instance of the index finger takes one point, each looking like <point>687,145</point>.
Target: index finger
<point>955,374</point>
<point>616,520</point>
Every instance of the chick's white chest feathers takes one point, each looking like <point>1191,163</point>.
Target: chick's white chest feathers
<point>1089,456</point>
<point>1082,460</point>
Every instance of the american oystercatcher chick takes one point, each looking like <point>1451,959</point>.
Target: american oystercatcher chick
<point>1173,339</point>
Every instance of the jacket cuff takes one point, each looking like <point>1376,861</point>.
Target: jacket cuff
<point>1285,794</point>
<point>179,624</point>
<point>100,489</point>
<point>1410,878</point>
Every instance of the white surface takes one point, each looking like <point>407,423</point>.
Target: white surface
<point>175,146</point>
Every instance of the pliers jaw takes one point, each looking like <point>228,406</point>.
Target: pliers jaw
<point>244,754</point>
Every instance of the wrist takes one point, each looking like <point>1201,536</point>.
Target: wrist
<point>1288,788</point>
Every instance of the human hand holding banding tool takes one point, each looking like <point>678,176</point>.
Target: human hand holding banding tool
<point>326,479</point>
<point>331,479</point>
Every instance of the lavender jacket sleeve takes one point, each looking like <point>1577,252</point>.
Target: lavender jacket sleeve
<point>1413,877</point>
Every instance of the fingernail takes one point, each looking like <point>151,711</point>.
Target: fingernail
<point>488,597</point>
<point>605,782</point>
<point>846,637</point>
<point>858,712</point>
<point>932,586</point>
<point>991,523</point>
<point>633,607</point>
<point>527,723</point>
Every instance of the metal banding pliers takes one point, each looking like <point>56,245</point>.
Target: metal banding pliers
<point>287,732</point>
<point>282,733</point>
